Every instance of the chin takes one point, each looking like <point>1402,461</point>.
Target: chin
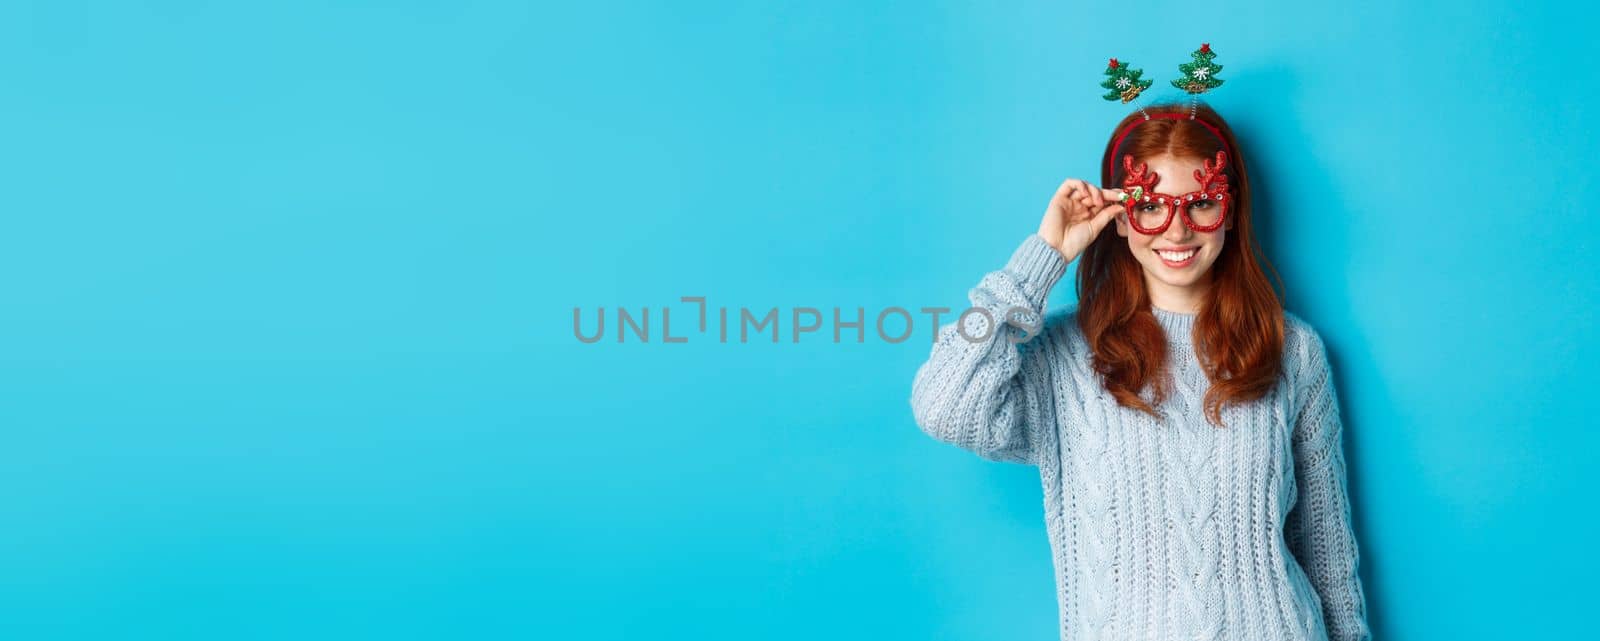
<point>1185,278</point>
<point>1171,282</point>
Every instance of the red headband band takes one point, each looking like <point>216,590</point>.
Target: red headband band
<point>1111,157</point>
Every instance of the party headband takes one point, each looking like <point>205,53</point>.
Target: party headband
<point>1199,75</point>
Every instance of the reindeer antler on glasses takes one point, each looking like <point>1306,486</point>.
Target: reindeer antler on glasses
<point>1211,177</point>
<point>1139,181</point>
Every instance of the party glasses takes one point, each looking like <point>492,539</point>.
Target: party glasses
<point>1150,213</point>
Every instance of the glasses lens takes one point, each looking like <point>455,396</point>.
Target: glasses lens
<point>1150,214</point>
<point>1205,210</point>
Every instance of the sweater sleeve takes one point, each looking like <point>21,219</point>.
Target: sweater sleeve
<point>975,390</point>
<point>1319,529</point>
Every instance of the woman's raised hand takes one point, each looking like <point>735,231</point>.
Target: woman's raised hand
<point>1076,215</point>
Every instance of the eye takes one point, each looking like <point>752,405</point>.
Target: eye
<point>1205,202</point>
<point>1148,208</point>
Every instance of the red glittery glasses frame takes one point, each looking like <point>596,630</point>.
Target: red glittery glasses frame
<point>1213,183</point>
<point>1141,185</point>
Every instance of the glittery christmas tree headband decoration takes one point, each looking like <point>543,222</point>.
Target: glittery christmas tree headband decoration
<point>1199,75</point>
<point>1123,81</point>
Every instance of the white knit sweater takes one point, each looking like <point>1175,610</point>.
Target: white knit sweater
<point>1170,529</point>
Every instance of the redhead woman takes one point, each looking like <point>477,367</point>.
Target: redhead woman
<point>1185,426</point>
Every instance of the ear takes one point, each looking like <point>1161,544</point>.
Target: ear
<point>1122,225</point>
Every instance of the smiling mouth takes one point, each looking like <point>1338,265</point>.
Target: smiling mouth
<point>1177,256</point>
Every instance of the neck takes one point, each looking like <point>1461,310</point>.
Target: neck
<point>1183,300</point>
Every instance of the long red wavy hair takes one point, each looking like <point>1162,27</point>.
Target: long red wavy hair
<point>1239,330</point>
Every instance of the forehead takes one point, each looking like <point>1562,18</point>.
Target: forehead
<point>1175,173</point>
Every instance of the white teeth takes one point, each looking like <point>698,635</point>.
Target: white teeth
<point>1176,256</point>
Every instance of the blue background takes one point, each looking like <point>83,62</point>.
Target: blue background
<point>288,290</point>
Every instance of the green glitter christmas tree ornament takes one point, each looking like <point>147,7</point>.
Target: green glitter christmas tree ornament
<point>1123,81</point>
<point>1200,74</point>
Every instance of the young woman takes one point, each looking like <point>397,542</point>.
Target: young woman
<point>1185,425</point>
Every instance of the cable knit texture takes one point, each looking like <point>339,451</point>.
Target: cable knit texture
<point>1159,529</point>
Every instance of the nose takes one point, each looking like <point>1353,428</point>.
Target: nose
<point>1177,232</point>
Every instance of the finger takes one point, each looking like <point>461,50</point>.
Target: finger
<point>1063,193</point>
<point>1071,203</point>
<point>1112,194</point>
<point>1080,192</point>
<point>1105,215</point>
<point>1085,197</point>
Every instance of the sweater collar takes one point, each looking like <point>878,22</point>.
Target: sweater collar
<point>1178,325</point>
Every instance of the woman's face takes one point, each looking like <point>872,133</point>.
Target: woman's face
<point>1175,284</point>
